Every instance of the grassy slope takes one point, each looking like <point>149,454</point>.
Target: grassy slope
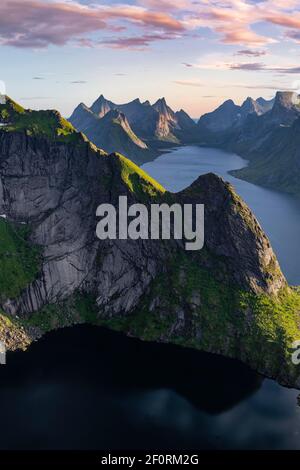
<point>138,181</point>
<point>36,123</point>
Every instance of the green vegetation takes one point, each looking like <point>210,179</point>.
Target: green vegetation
<point>18,333</point>
<point>19,259</point>
<point>218,317</point>
<point>79,308</point>
<point>187,306</point>
<point>138,181</point>
<point>37,123</point>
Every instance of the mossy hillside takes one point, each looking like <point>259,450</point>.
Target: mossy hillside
<point>10,110</point>
<point>18,333</point>
<point>19,260</point>
<point>78,308</point>
<point>37,123</point>
<point>218,317</point>
<point>138,181</point>
<point>187,306</point>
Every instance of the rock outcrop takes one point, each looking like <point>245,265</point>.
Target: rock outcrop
<point>229,298</point>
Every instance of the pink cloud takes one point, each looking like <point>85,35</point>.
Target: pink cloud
<point>242,36</point>
<point>37,24</point>
<point>284,20</point>
<point>135,42</point>
<point>144,17</point>
<point>165,5</point>
<point>40,23</point>
<point>251,53</point>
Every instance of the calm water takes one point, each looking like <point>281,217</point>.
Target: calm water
<point>89,388</point>
<point>279,214</point>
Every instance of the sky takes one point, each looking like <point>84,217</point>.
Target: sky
<point>197,54</point>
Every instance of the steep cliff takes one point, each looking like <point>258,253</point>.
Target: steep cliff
<point>229,298</point>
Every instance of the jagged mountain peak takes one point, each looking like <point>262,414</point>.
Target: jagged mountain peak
<point>228,104</point>
<point>266,105</point>
<point>286,99</point>
<point>161,101</point>
<point>250,106</point>
<point>248,100</point>
<point>101,106</point>
<point>163,109</point>
<point>182,111</point>
<point>161,105</point>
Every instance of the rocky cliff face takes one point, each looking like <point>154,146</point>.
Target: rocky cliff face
<point>230,298</point>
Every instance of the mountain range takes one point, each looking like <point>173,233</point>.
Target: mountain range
<point>136,129</point>
<point>230,298</point>
<point>264,132</point>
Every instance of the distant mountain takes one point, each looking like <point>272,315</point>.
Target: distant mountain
<point>266,133</point>
<point>230,115</point>
<point>155,123</point>
<point>83,118</point>
<point>102,106</point>
<point>223,118</point>
<point>266,105</point>
<point>250,138</point>
<point>285,109</point>
<point>110,129</point>
<point>276,160</point>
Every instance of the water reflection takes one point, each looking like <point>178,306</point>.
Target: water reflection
<point>86,386</point>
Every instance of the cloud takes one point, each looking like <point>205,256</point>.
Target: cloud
<point>165,5</point>
<point>135,42</point>
<point>189,83</point>
<point>257,66</point>
<point>214,63</point>
<point>243,36</point>
<point>250,66</point>
<point>251,53</point>
<point>38,23</point>
<point>294,35</point>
